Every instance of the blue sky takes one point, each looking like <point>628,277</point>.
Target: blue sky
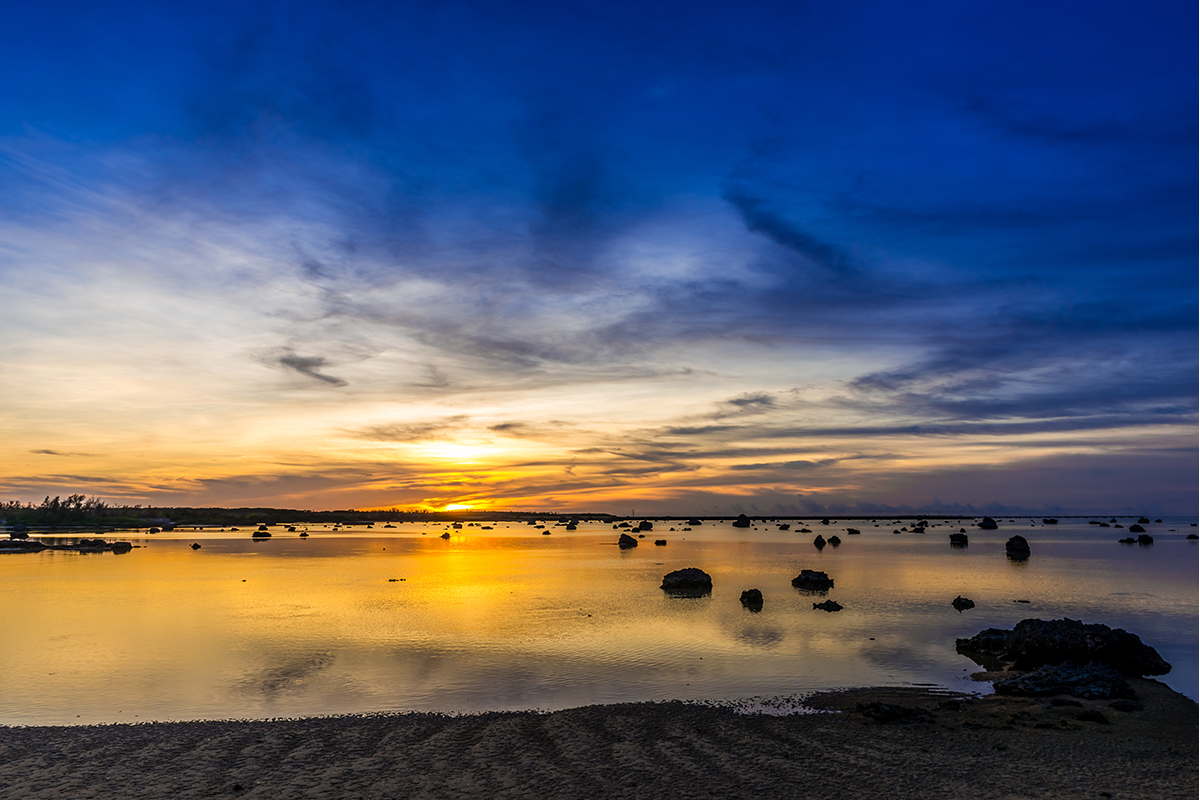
<point>697,256</point>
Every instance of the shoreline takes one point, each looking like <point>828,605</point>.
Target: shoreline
<point>943,745</point>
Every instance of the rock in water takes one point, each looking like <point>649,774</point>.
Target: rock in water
<point>828,605</point>
<point>961,603</point>
<point>626,541</point>
<point>1144,538</point>
<point>661,542</point>
<point>446,535</point>
<point>1136,529</point>
<point>812,580</point>
<point>834,540</point>
<point>853,532</point>
<point>959,540</point>
<point>1017,547</point>
<point>1034,643</point>
<point>195,545</point>
<point>1091,682</point>
<point>694,522</point>
<point>988,524</point>
<point>645,525</point>
<point>752,599</point>
<point>819,542</point>
<point>742,521</point>
<point>687,582</point>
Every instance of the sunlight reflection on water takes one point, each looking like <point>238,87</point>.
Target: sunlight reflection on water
<point>400,619</point>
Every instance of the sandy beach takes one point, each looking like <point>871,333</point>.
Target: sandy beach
<point>981,747</point>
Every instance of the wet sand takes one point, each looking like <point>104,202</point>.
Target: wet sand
<point>989,747</point>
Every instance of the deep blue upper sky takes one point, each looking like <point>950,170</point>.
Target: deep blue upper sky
<point>983,213</point>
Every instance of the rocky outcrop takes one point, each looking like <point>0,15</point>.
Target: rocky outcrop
<point>835,540</point>
<point>784,526</point>
<point>752,599</point>
<point>1144,538</point>
<point>812,580</point>
<point>828,605</point>
<point>988,524</point>
<point>961,603</point>
<point>1034,643</point>
<point>959,540</point>
<point>742,521</point>
<point>1136,529</point>
<point>853,532</point>
<point>626,541</point>
<point>645,525</point>
<point>694,522</point>
<point>660,542</point>
<point>687,582</point>
<point>1017,548</point>
<point>819,542</point>
<point>1090,682</point>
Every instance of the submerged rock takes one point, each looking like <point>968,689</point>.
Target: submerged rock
<point>961,603</point>
<point>812,580</point>
<point>752,599</point>
<point>988,524</point>
<point>1144,538</point>
<point>660,542</point>
<point>854,531</point>
<point>1017,547</point>
<point>195,545</point>
<point>828,605</point>
<point>687,582</point>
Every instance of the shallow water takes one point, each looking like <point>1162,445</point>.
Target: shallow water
<point>510,618</point>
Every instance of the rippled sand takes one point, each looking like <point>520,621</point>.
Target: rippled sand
<point>989,747</point>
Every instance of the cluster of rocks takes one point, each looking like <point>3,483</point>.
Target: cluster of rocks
<point>26,545</point>
<point>1063,656</point>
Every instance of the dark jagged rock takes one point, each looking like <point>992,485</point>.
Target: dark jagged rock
<point>303,534</point>
<point>687,582</point>
<point>694,522</point>
<point>645,525</point>
<point>1193,536</point>
<point>988,524</point>
<point>742,521</point>
<point>1127,540</point>
<point>1143,521</point>
<point>291,528</point>
<point>888,712</point>
<point>752,599</point>
<point>620,525</point>
<point>261,534</point>
<point>1090,681</point>
<point>959,539</point>
<point>819,542</point>
<point>835,540</point>
<point>961,603</point>
<point>828,605</point>
<point>784,526</point>
<point>660,542</point>
<point>195,545</point>
<point>805,530</point>
<point>446,535</point>
<point>1136,529</point>
<point>1017,547</point>
<point>1034,643</point>
<point>1145,538</point>
<point>1049,522</point>
<point>627,541</point>
<point>812,580</point>
<point>853,532</point>
<point>825,522</point>
<point>985,648</point>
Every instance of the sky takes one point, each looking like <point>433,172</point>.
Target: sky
<point>660,257</point>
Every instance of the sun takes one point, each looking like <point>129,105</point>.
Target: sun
<point>457,507</point>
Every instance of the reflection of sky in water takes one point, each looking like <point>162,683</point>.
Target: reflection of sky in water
<point>513,619</point>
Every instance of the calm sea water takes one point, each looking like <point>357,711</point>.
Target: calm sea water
<point>511,618</point>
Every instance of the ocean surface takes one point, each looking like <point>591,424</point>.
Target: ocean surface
<point>382,619</point>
